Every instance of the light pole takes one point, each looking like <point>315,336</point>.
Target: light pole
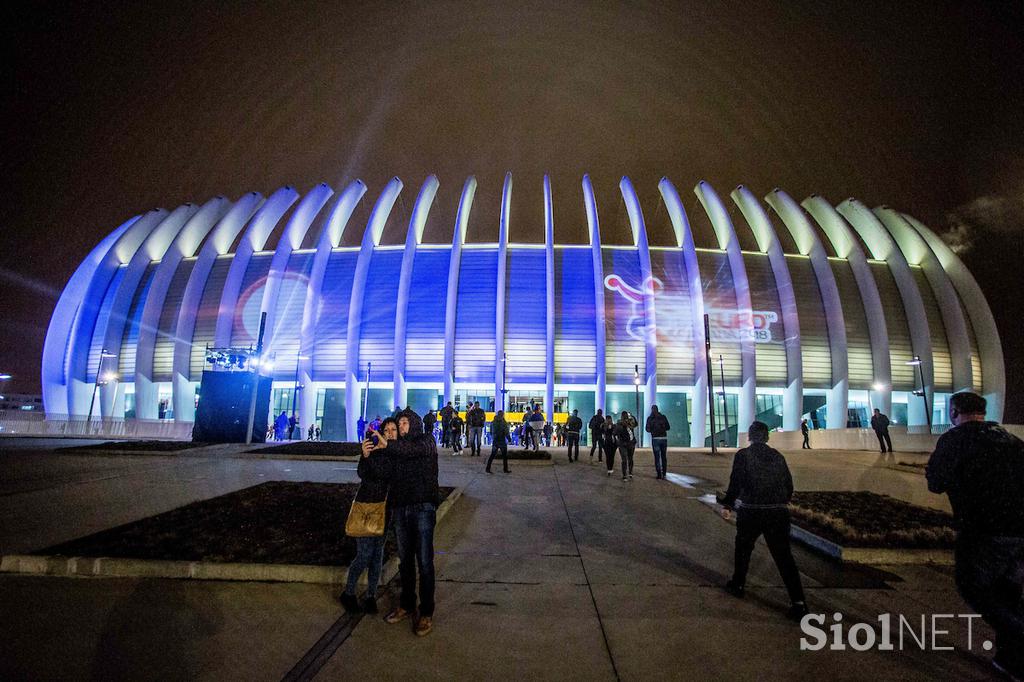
<point>920,371</point>
<point>711,381</point>
<point>299,357</point>
<point>504,391</point>
<point>366,398</point>
<point>725,405</point>
<point>100,381</point>
<point>636,385</point>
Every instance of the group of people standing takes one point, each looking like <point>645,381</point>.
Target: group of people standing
<point>608,436</point>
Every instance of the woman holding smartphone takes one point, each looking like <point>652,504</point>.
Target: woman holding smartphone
<point>375,475</point>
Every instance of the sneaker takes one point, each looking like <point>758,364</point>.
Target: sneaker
<point>734,589</point>
<point>370,605</point>
<point>624,478</point>
<point>797,611</point>
<point>397,615</point>
<point>488,471</point>
<point>350,602</point>
<point>423,626</point>
<point>631,477</point>
<point>609,472</point>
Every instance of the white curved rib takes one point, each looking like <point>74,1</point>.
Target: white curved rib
<point>846,246</point>
<point>80,390</point>
<point>810,245</point>
<point>502,282</point>
<point>451,302</point>
<point>185,245</point>
<point>728,242</point>
<point>329,239</point>
<point>371,239</point>
<point>254,239</point>
<point>54,375</point>
<point>684,240</point>
<point>594,228</point>
<point>768,242</point>
<point>218,244</point>
<point>993,371</point>
<point>413,237</point>
<point>636,222</point>
<point>882,247</point>
<point>917,252</point>
<point>549,297</point>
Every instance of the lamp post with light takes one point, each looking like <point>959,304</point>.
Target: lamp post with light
<point>299,357</point>
<point>725,404</point>
<point>636,385</point>
<point>366,399</point>
<point>101,380</point>
<point>920,372</point>
<point>504,391</point>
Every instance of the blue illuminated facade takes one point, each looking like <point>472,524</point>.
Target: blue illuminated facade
<point>824,330</point>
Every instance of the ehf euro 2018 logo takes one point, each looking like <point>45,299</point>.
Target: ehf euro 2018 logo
<point>674,322</point>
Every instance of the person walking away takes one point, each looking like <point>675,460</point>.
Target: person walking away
<point>536,427</point>
<point>981,467</point>
<point>429,419</point>
<point>880,424</point>
<point>414,497</point>
<point>375,472</point>
<point>527,431</point>
<point>573,426</point>
<point>658,427</point>
<point>446,424</point>
<point>318,433</point>
<point>625,437</point>
<point>608,442</point>
<point>760,487</point>
<point>547,434</point>
<point>455,435</point>
<point>499,440</point>
<point>476,418</point>
<point>310,432</point>
<point>807,435</point>
<point>596,423</point>
<point>280,425</point>
<point>293,423</point>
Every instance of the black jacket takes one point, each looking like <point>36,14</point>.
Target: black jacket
<point>574,424</point>
<point>499,432</point>
<point>981,466</point>
<point>657,425</point>
<point>608,434</point>
<point>414,461</point>
<point>456,424</point>
<point>624,432</point>
<point>880,423</point>
<point>476,417</point>
<point>760,479</point>
<point>375,473</point>
<point>596,422</point>
<point>446,413</point>
<point>429,419</point>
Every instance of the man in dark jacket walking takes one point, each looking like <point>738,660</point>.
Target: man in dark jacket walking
<point>806,432</point>
<point>413,498</point>
<point>762,483</point>
<point>658,427</point>
<point>573,426</point>
<point>595,426</point>
<point>625,438</point>
<point>981,467</point>
<point>446,423</point>
<point>429,419</point>
<point>880,424</point>
<point>499,440</point>
<point>476,418</point>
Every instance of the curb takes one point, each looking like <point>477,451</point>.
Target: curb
<point>107,567</point>
<point>860,555</point>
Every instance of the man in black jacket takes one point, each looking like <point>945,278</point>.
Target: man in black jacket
<point>573,426</point>
<point>446,423</point>
<point>981,467</point>
<point>429,419</point>
<point>413,498</point>
<point>762,483</point>
<point>476,418</point>
<point>880,424</point>
<point>596,422</point>
<point>658,427</point>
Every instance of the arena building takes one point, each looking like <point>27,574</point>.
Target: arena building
<point>815,311</point>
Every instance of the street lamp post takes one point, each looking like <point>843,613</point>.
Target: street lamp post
<point>366,398</point>
<point>924,396</point>
<point>299,357</point>
<point>100,381</point>
<point>636,385</point>
<point>711,381</point>
<point>725,404</point>
<point>504,391</point>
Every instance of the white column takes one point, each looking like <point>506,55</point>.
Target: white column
<point>549,297</point>
<point>768,243</point>
<point>728,242</point>
<point>639,228</point>
<point>810,245</point>
<point>846,246</point>
<point>451,302</point>
<point>413,238</point>
<point>217,244</point>
<point>371,238</point>
<point>684,240</point>
<point>499,302</point>
<point>594,228</point>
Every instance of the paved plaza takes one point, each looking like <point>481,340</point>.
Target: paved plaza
<point>554,571</point>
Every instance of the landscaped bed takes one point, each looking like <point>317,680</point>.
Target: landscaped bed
<point>342,449</point>
<point>865,519</point>
<point>276,522</point>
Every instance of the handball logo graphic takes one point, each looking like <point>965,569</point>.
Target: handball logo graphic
<point>651,287</point>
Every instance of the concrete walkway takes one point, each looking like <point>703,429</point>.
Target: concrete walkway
<point>554,571</point>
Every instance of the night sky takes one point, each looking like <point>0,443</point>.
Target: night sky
<point>113,110</point>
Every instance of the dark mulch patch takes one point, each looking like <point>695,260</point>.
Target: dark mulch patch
<point>141,445</point>
<point>277,522</point>
<point>865,519</point>
<point>314,447</point>
<point>518,453</point>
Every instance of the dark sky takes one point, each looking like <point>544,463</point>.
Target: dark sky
<point>115,110</point>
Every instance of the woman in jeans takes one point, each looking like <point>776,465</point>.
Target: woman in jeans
<point>374,472</point>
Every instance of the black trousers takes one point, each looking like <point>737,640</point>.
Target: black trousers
<point>595,444</point>
<point>609,454</point>
<point>572,440</point>
<point>884,442</point>
<point>774,525</point>
<point>504,455</point>
<point>626,451</point>
<point>807,442</point>
<point>446,430</point>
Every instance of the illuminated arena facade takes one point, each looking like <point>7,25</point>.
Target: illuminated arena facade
<point>826,331</point>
